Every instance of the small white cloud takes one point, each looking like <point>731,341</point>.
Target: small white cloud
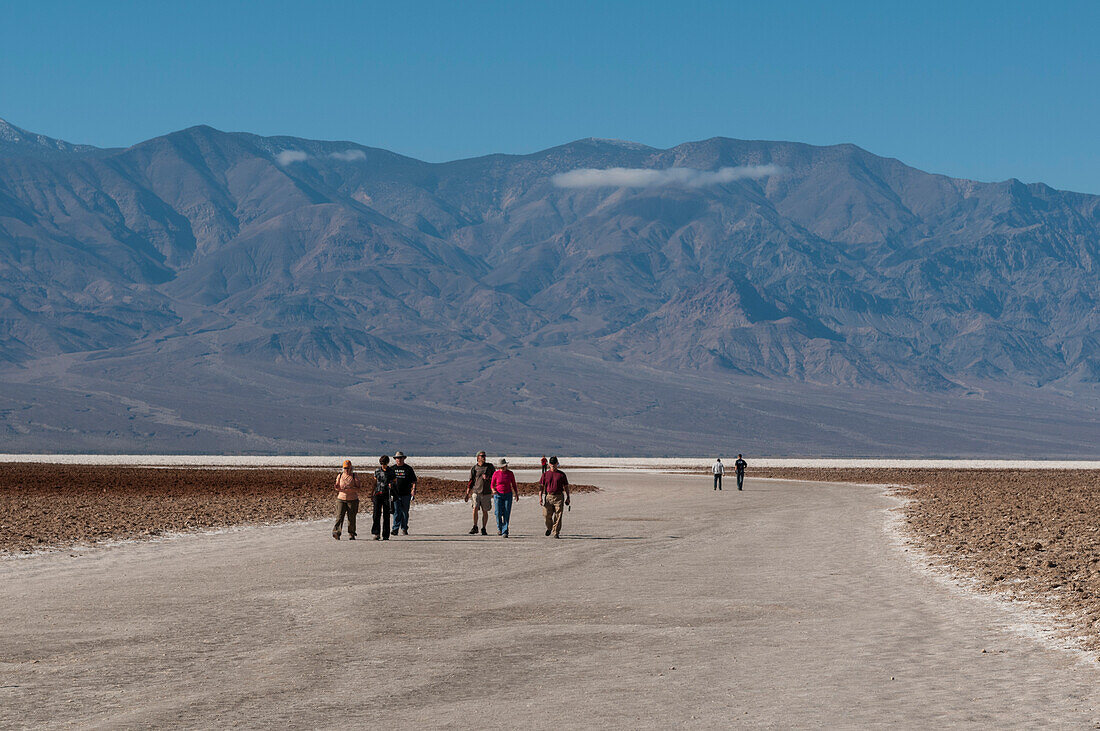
<point>647,178</point>
<point>286,157</point>
<point>349,155</point>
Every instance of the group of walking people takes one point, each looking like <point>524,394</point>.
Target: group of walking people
<point>490,487</point>
<point>392,496</point>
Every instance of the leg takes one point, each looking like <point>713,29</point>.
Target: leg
<point>341,510</point>
<point>559,508</point>
<point>387,517</point>
<point>548,513</point>
<point>506,509</point>
<point>376,514</point>
<point>402,517</point>
<point>740,479</point>
<point>484,512</point>
<point>353,510</point>
<point>498,510</point>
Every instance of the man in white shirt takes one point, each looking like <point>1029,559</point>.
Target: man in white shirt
<point>718,469</point>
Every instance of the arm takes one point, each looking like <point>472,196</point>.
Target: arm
<point>515,487</point>
<point>469,486</point>
<point>565,486</point>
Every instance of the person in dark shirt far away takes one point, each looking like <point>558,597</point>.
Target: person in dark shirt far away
<point>404,492</point>
<point>740,465</point>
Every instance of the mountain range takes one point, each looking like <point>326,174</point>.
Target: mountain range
<point>211,291</point>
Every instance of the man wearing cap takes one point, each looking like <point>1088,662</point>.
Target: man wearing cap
<point>480,489</point>
<point>404,492</point>
<point>553,497</point>
<point>347,500</point>
<point>740,466</point>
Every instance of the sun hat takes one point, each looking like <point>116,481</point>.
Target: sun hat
<point>347,463</point>
<point>398,454</point>
<point>503,462</point>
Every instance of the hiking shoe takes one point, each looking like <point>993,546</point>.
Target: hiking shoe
<point>351,538</point>
<point>336,534</point>
<point>505,534</point>
<point>473,531</point>
<point>378,538</point>
<point>404,531</point>
<point>556,535</point>
<point>547,531</point>
<point>483,532</point>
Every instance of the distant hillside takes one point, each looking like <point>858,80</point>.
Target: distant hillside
<point>198,285</point>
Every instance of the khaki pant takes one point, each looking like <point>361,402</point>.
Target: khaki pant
<point>348,508</point>
<point>552,507</point>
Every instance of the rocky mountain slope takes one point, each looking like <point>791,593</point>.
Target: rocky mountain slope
<point>237,272</point>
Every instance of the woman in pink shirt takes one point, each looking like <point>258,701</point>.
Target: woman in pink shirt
<point>347,500</point>
<point>504,491</point>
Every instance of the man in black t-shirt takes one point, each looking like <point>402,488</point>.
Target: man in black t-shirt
<point>404,492</point>
<point>740,466</point>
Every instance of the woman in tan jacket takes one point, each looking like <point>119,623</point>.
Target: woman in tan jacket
<point>347,500</point>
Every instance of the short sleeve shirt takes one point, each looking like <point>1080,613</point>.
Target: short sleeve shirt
<point>553,481</point>
<point>383,480</point>
<point>404,477</point>
<point>740,465</point>
<point>482,475</point>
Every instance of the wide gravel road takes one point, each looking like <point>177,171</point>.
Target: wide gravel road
<point>664,604</point>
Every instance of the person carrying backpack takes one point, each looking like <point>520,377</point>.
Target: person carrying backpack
<point>740,466</point>
<point>383,494</point>
<point>347,500</point>
<point>479,488</point>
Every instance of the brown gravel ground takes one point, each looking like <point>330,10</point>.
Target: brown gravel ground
<point>1030,535</point>
<point>46,506</point>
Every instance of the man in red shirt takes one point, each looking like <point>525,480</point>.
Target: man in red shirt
<point>553,497</point>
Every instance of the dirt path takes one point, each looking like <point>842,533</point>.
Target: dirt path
<point>668,604</point>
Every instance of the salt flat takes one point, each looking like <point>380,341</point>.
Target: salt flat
<point>665,604</point>
<point>610,463</point>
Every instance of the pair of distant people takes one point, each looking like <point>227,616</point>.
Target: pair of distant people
<point>495,487</point>
<point>392,496</point>
<point>719,469</point>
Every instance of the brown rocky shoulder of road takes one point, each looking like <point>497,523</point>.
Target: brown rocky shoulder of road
<point>46,506</point>
<point>1031,535</point>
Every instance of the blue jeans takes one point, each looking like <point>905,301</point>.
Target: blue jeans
<point>401,512</point>
<point>502,505</point>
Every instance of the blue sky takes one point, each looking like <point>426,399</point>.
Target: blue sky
<point>975,89</point>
